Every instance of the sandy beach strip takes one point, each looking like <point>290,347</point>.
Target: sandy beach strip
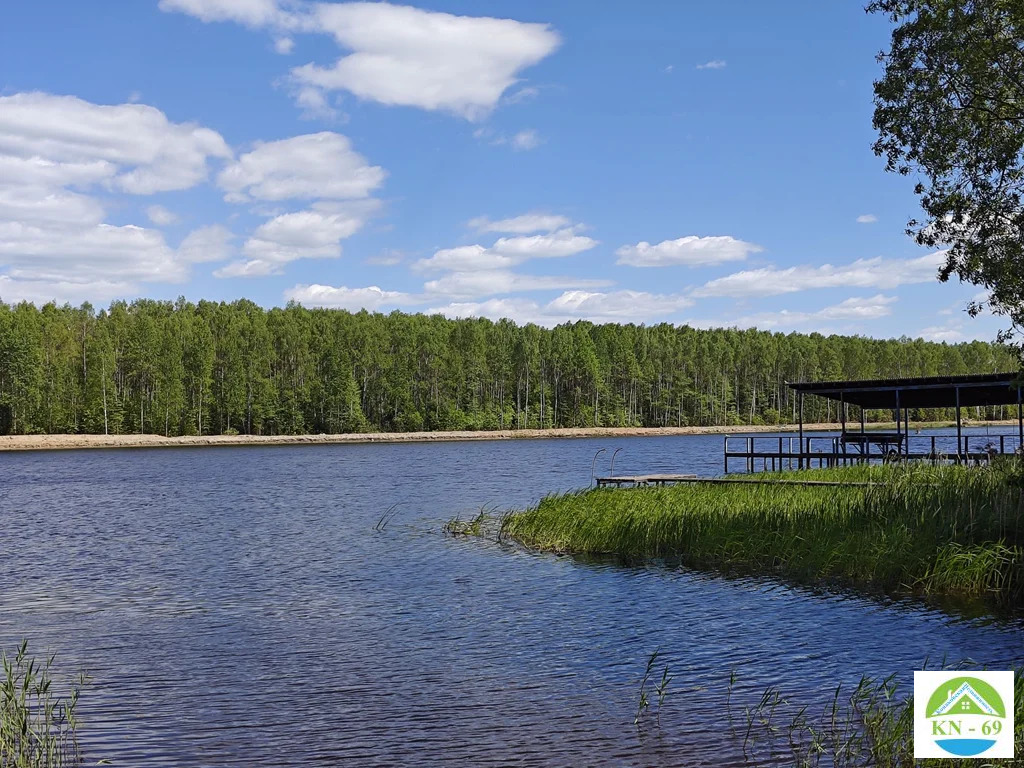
<point>70,442</point>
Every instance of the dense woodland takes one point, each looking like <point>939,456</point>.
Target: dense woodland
<point>213,368</point>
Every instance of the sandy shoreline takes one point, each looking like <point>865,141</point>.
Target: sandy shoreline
<point>70,442</point>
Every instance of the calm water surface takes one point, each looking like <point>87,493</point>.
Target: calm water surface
<point>235,606</point>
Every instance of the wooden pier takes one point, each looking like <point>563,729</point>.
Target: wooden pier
<point>648,480</point>
<point>775,454</point>
<point>643,480</point>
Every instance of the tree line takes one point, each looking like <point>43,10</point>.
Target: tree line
<point>178,368</point>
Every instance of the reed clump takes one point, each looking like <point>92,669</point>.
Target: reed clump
<point>37,725</point>
<point>872,725</point>
<point>942,530</point>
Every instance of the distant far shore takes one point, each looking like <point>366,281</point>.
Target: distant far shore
<point>70,442</point>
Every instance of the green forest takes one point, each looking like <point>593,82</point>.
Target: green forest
<point>178,368</point>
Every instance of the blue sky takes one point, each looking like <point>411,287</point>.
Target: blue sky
<point>707,163</point>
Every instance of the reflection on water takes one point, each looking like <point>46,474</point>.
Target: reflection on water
<point>235,606</point>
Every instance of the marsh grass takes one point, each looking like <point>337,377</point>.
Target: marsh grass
<point>488,523</point>
<point>37,726</point>
<point>939,530</point>
<point>869,726</point>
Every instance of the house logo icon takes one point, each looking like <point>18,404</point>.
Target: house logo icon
<point>963,715</point>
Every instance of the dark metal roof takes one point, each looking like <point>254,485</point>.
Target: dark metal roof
<point>921,392</point>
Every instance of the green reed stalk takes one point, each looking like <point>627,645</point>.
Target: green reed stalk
<point>37,726</point>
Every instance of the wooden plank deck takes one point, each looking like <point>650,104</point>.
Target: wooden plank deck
<point>647,480</point>
<point>637,480</point>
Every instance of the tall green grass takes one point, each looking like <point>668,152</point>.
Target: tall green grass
<point>37,726</point>
<point>943,530</point>
<point>872,725</point>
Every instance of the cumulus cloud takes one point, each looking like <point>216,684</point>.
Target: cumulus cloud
<point>311,234</point>
<point>318,165</point>
<point>508,251</point>
<point>863,273</point>
<point>61,291</point>
<point>855,308</point>
<point>160,215</point>
<point>212,243</point>
<point>251,13</point>
<point>132,147</point>
<point>691,251</point>
<point>342,297</point>
<point>468,285</point>
<point>437,61</point>
<point>713,64</point>
<point>284,45</point>
<point>867,218</point>
<point>54,150</point>
<point>951,334</point>
<point>521,225</point>
<point>396,54</point>
<point>611,307</point>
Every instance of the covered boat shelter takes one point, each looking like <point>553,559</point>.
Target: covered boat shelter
<point>900,396</point>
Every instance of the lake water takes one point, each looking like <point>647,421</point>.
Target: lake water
<point>235,606</point>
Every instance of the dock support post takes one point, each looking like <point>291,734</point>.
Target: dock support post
<point>1020,422</point>
<point>959,429</point>
<point>800,461</point>
<point>899,424</point>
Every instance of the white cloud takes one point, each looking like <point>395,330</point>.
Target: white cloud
<point>251,13</point>
<point>212,243</point>
<point>622,305</point>
<point>284,45</point>
<point>947,333</point>
<point>314,104</point>
<point>855,308</point>
<point>470,285</point>
<point>613,307</point>
<point>53,151</point>
<point>60,291</point>
<point>160,215</point>
<point>318,165</point>
<point>132,147</point>
<point>863,273</point>
<point>508,252</point>
<point>47,206</point>
<point>412,57</point>
<point>520,310</point>
<point>310,234</point>
<point>342,297</point>
<point>99,252</point>
<point>867,218</point>
<point>526,140</point>
<point>713,64</point>
<point>691,251</point>
<point>398,55</point>
<point>521,225</point>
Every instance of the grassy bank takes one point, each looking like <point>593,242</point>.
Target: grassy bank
<point>954,531</point>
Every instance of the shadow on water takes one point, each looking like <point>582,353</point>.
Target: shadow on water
<point>957,608</point>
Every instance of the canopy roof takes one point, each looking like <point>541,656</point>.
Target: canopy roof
<point>923,392</point>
